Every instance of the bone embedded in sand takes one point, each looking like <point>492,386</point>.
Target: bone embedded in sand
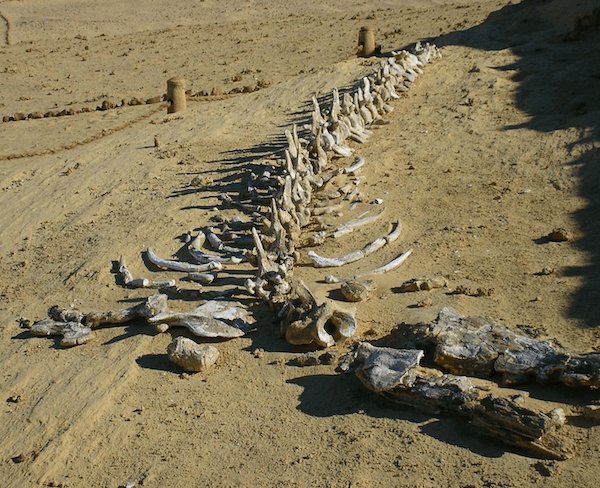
<point>190,356</point>
<point>176,95</point>
<point>202,278</point>
<point>181,266</point>
<point>366,42</point>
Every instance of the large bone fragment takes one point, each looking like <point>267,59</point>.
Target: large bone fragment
<point>212,319</point>
<point>74,333</point>
<point>480,347</point>
<point>323,262</point>
<point>191,356</point>
<point>150,307</point>
<point>396,375</point>
<point>181,266</point>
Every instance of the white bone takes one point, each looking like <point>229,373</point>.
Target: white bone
<point>181,266</point>
<point>73,333</point>
<point>191,356</point>
<point>324,262</point>
<point>152,306</point>
<point>131,282</point>
<point>203,278</point>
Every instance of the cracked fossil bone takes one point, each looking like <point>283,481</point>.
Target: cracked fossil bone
<point>397,375</point>
<point>480,347</point>
<point>132,282</point>
<point>212,319</point>
<point>324,262</point>
<point>150,307</point>
<point>181,266</point>
<point>74,333</point>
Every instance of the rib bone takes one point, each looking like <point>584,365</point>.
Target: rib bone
<point>181,266</point>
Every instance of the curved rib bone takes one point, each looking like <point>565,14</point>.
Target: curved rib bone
<point>181,266</point>
<point>394,263</point>
<point>323,262</point>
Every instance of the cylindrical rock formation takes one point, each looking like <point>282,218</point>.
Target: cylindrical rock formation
<point>176,95</point>
<point>366,42</point>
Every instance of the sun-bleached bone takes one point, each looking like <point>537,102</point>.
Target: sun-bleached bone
<point>324,262</point>
<point>181,266</point>
<point>347,228</point>
<point>191,356</point>
<point>150,307</point>
<point>393,264</point>
<point>212,319</point>
<point>132,282</point>
<point>202,278</point>
<point>74,333</point>
<point>353,169</point>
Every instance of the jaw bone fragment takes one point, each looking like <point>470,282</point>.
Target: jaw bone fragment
<point>132,282</point>
<point>211,319</point>
<point>150,307</point>
<point>397,375</point>
<point>191,356</point>
<point>74,333</point>
<point>323,262</point>
<point>181,266</point>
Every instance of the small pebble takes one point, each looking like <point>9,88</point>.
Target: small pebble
<point>559,235</point>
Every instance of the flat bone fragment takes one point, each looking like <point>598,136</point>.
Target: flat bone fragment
<point>190,356</point>
<point>150,307</point>
<point>397,375</point>
<point>199,325</point>
<point>323,262</point>
<point>212,319</point>
<point>181,266</point>
<point>74,333</point>
<point>480,347</point>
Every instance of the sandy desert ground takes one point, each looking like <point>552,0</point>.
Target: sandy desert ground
<point>495,145</point>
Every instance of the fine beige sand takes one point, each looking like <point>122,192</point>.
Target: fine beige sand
<point>495,145</point>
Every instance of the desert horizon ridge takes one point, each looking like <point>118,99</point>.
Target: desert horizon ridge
<point>494,147</point>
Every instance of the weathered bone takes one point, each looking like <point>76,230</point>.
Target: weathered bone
<point>312,327</point>
<point>132,282</point>
<point>202,278</point>
<point>211,319</point>
<point>152,306</point>
<point>393,264</point>
<point>480,347</point>
<point>396,375</point>
<point>323,262</point>
<point>191,356</point>
<point>74,333</point>
<point>181,266</point>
